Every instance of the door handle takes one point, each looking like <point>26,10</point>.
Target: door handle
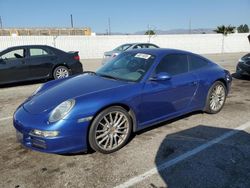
<point>194,82</point>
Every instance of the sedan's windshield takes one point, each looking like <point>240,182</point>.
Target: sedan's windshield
<point>122,47</point>
<point>128,66</point>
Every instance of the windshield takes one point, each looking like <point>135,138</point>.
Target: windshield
<point>128,66</point>
<point>122,47</point>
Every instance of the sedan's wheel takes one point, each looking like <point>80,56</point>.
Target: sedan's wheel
<point>61,72</point>
<point>216,98</point>
<point>110,130</point>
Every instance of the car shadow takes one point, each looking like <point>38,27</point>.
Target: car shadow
<point>224,164</point>
<point>240,77</point>
<point>24,83</point>
<point>164,123</point>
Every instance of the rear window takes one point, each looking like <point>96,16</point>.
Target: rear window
<point>38,52</point>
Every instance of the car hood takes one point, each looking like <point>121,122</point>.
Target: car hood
<point>72,88</point>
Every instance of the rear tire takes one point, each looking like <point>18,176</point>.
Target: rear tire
<point>110,130</point>
<point>60,72</point>
<point>216,98</point>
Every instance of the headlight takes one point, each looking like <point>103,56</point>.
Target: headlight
<point>61,110</point>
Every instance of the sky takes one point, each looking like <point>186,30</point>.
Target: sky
<point>127,16</point>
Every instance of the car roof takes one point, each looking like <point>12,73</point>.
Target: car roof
<point>137,43</point>
<point>25,46</point>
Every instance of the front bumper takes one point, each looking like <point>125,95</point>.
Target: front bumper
<point>243,69</point>
<point>72,136</point>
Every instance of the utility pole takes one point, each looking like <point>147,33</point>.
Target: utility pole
<point>109,31</point>
<point>72,23</point>
<point>1,23</point>
<point>190,26</point>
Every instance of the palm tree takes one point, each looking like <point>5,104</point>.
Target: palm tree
<point>224,30</point>
<point>150,32</point>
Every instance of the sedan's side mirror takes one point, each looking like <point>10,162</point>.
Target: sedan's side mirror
<point>162,76</point>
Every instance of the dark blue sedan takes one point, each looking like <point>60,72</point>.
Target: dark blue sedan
<point>135,90</point>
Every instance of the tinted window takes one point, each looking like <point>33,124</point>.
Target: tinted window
<point>196,62</point>
<point>15,54</point>
<point>173,64</point>
<point>37,52</point>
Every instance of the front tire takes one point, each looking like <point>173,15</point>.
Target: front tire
<point>60,72</point>
<point>216,98</point>
<point>110,130</point>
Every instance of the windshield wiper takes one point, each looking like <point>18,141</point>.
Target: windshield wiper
<point>89,72</point>
<point>108,76</point>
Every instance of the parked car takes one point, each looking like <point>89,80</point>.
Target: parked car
<point>137,89</point>
<point>243,67</point>
<point>130,46</point>
<point>32,62</point>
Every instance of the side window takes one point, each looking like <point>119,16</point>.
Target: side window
<point>14,54</point>
<point>38,52</point>
<point>173,64</point>
<point>137,47</point>
<point>196,62</point>
<point>151,46</point>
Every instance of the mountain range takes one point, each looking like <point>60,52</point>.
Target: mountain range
<point>167,32</point>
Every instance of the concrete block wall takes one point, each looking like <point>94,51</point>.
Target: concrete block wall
<point>91,47</point>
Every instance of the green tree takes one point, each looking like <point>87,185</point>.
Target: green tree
<point>150,32</point>
<point>243,28</point>
<point>224,30</point>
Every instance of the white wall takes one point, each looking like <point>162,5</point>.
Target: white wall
<point>94,46</point>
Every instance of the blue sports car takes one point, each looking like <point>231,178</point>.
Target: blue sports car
<point>135,90</point>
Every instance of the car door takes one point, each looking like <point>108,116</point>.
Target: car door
<point>41,61</point>
<point>13,66</point>
<point>163,99</point>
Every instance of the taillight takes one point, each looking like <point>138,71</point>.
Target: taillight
<point>77,57</point>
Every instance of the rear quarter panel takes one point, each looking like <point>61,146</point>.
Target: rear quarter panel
<point>207,76</point>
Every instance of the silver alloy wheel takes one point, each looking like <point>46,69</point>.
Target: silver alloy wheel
<point>61,72</point>
<point>112,130</point>
<point>217,97</point>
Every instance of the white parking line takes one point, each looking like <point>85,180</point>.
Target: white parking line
<point>6,118</point>
<point>182,157</point>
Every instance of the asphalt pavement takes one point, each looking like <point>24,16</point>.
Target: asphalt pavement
<point>196,150</point>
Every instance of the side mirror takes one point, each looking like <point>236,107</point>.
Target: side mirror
<point>162,76</point>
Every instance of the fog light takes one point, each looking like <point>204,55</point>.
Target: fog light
<point>45,134</point>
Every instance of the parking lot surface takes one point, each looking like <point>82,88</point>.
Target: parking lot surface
<point>196,150</point>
